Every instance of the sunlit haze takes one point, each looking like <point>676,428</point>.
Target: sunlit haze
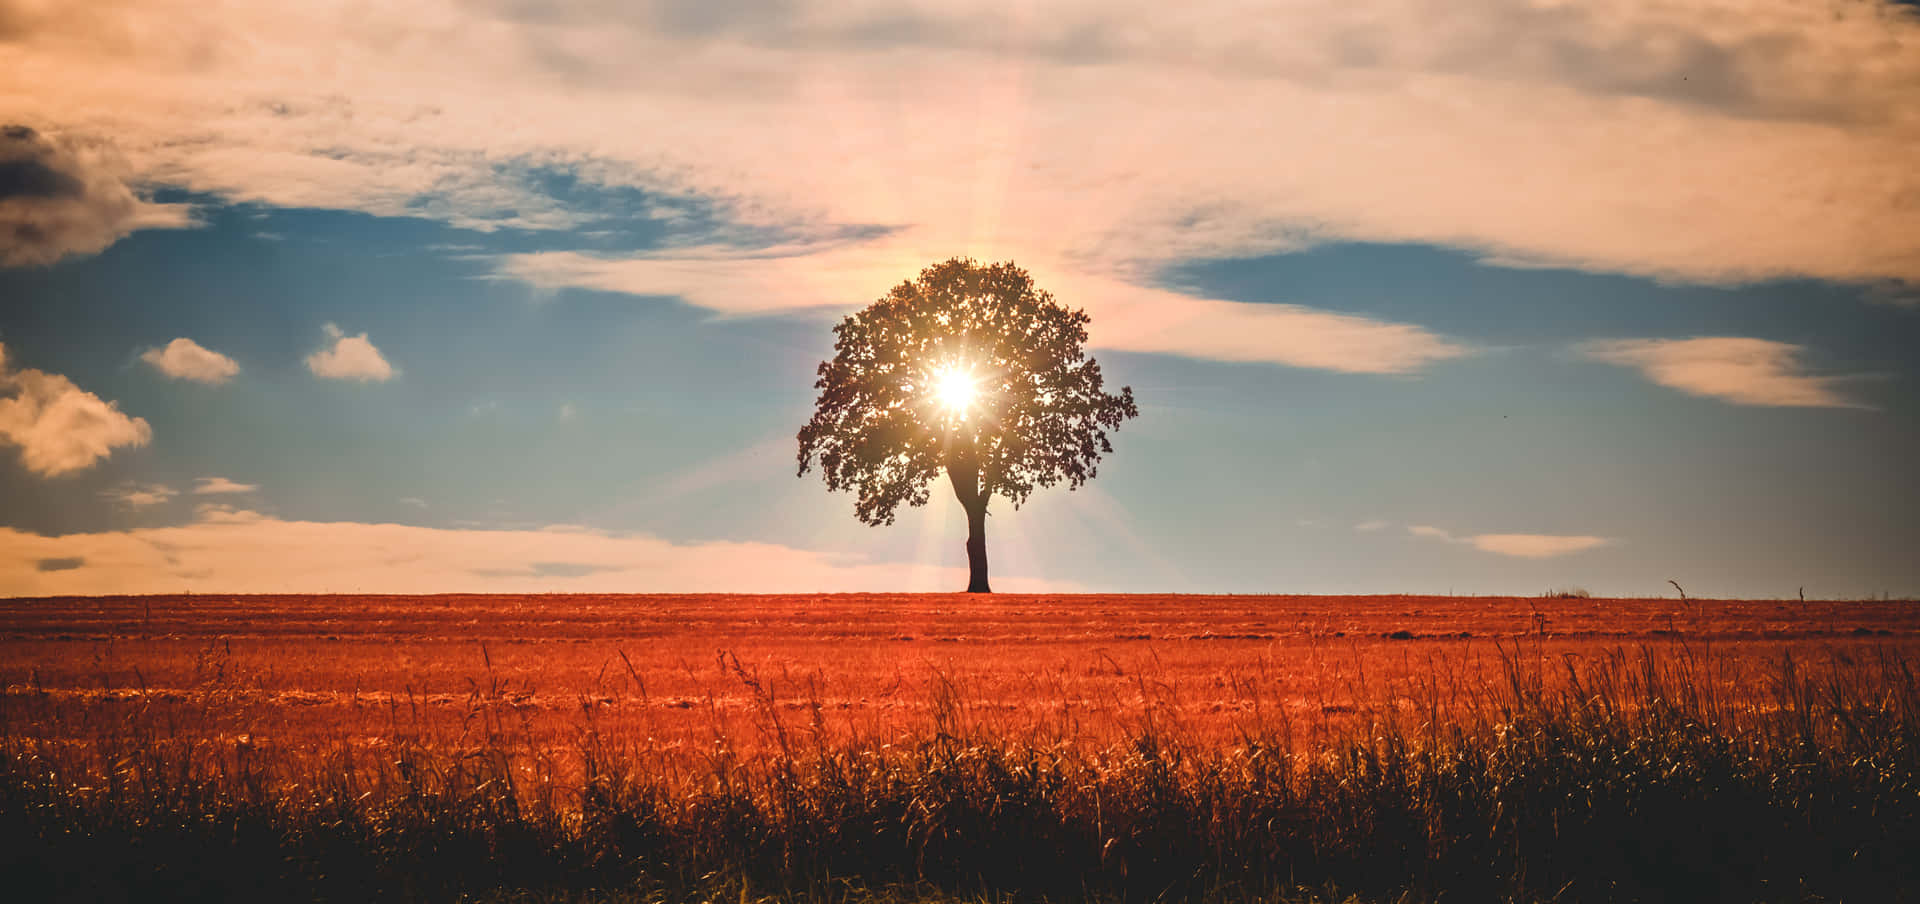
<point>956,388</point>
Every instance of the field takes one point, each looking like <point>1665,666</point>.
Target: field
<point>304,670</point>
<point>552,709</point>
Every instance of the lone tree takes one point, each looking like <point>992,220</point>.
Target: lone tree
<point>971,369</point>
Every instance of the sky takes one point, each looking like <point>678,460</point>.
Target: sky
<point>1486,297</point>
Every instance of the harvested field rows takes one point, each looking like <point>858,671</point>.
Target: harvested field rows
<point>303,671</point>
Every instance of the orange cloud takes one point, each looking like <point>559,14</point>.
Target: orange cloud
<point>133,495</point>
<point>214,485</point>
<point>349,358</point>
<point>1730,368</point>
<point>185,359</point>
<point>1100,138</point>
<point>61,198</point>
<point>59,427</point>
<point>1127,317</point>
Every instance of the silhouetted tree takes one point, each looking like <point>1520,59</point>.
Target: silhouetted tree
<point>971,369</point>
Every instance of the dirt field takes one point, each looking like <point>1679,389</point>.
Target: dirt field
<point>306,671</point>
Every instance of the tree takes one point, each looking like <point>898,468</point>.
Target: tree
<point>970,369</point>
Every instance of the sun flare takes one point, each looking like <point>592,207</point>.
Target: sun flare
<point>955,389</point>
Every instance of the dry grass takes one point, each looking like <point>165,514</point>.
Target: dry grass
<point>825,747</point>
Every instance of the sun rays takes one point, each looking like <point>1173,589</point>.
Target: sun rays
<point>955,389</point>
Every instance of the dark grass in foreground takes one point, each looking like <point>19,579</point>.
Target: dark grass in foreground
<point>1635,777</point>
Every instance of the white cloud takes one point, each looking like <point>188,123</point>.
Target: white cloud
<point>133,495</point>
<point>233,550</point>
<point>185,359</point>
<point>1525,546</point>
<point>1730,368</point>
<point>61,197</point>
<point>208,486</point>
<point>349,358</point>
<point>58,426</point>
<point>1126,317</point>
<point>1371,526</point>
<point>1089,139</point>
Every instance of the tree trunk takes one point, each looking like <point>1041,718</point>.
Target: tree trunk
<point>964,470</point>
<point>977,549</point>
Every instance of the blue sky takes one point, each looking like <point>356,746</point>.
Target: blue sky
<point>521,317</point>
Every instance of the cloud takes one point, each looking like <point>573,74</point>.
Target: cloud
<point>185,359</point>
<point>1102,135</point>
<point>1525,546</point>
<point>207,486</point>
<point>1126,316</point>
<point>59,427</point>
<point>236,551</point>
<point>1730,368</point>
<point>222,513</point>
<point>61,198</point>
<point>349,358</point>
<point>1371,526</point>
<point>133,495</point>
<point>1535,546</point>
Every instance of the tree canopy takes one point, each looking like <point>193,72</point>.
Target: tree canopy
<point>968,368</point>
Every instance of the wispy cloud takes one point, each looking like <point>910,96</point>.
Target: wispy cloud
<point>1729,368</point>
<point>185,359</point>
<point>239,551</point>
<point>1126,316</point>
<point>349,358</point>
<point>136,495</point>
<point>1535,546</point>
<point>1525,546</point>
<point>209,486</point>
<point>59,427</point>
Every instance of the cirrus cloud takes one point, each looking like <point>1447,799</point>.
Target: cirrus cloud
<point>1126,316</point>
<point>185,359</point>
<point>1734,369</point>
<point>59,427</point>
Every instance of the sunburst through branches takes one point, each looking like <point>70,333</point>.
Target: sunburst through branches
<point>955,389</point>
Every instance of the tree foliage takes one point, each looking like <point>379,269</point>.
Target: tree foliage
<point>1040,417</point>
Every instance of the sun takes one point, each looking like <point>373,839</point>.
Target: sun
<point>955,389</point>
